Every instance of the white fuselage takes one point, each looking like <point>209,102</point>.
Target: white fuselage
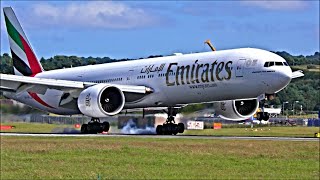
<point>177,80</point>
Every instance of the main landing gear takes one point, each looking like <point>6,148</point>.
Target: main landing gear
<point>169,127</point>
<point>95,126</point>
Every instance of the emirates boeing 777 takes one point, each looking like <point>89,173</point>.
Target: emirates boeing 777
<point>234,80</point>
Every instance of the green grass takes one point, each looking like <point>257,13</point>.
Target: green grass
<point>259,131</point>
<point>140,158</point>
<point>35,127</point>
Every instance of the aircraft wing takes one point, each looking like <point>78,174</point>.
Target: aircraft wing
<point>17,84</point>
<point>297,74</point>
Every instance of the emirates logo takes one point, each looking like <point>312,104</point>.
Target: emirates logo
<point>223,106</point>
<point>88,100</point>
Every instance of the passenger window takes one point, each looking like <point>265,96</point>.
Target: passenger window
<point>279,64</point>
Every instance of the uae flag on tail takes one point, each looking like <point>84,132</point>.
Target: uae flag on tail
<point>24,60</point>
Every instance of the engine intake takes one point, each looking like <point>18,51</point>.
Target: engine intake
<point>101,100</point>
<point>237,109</point>
<point>246,107</point>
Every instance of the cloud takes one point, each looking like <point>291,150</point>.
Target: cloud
<point>97,14</point>
<point>277,5</point>
<point>215,9</point>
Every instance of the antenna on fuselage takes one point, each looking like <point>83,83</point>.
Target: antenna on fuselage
<point>210,45</point>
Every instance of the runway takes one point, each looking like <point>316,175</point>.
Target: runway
<point>163,136</point>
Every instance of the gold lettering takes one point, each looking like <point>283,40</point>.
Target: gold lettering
<point>192,72</point>
<point>212,69</point>
<point>219,70</point>
<point>181,71</point>
<point>169,71</point>
<point>205,73</point>
<point>228,69</point>
<point>197,73</point>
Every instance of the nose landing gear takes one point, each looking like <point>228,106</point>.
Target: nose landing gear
<point>95,126</point>
<point>169,127</point>
<point>263,116</point>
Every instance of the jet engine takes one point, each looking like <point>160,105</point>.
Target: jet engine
<point>236,109</point>
<point>101,100</point>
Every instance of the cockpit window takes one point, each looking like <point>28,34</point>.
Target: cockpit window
<point>272,63</point>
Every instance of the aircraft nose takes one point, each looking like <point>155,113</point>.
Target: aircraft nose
<point>285,76</point>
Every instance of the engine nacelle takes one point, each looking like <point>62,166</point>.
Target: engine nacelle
<point>101,100</point>
<point>236,109</point>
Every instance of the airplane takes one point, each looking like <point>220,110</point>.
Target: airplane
<point>234,80</point>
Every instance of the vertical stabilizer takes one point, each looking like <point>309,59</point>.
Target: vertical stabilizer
<point>25,63</point>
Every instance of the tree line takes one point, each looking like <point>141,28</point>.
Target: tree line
<point>305,89</point>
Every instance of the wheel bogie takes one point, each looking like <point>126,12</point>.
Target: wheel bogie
<point>94,127</point>
<point>170,129</point>
<point>263,116</point>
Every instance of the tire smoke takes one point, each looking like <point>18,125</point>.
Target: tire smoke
<point>131,128</point>
<point>65,131</point>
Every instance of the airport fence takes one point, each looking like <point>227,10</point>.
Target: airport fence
<point>49,119</point>
<point>66,119</point>
<point>58,119</point>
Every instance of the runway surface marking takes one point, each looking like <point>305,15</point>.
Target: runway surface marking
<point>163,136</point>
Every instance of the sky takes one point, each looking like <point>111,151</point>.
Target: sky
<point>134,29</point>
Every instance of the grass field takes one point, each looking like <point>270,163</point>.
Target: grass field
<point>34,127</point>
<point>263,131</point>
<point>140,158</point>
<point>274,131</point>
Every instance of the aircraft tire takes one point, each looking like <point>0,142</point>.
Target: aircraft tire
<point>165,129</point>
<point>180,127</point>
<point>266,116</point>
<point>106,126</point>
<point>174,129</point>
<point>159,129</point>
<point>84,129</point>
